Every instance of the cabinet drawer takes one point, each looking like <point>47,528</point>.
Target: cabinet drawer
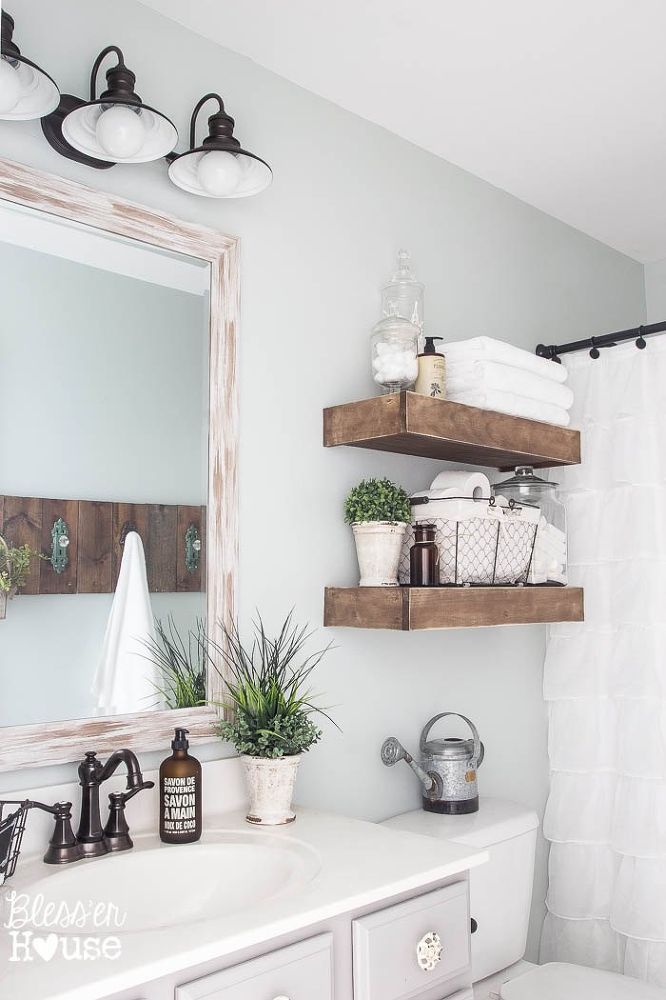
<point>302,971</point>
<point>386,945</point>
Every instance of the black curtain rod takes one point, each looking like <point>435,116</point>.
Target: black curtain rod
<point>593,344</point>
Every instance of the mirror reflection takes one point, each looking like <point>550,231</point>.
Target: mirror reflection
<point>103,472</point>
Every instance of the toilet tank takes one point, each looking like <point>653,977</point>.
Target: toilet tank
<point>500,890</point>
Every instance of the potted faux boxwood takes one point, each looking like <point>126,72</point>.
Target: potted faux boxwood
<point>379,512</point>
<point>272,707</point>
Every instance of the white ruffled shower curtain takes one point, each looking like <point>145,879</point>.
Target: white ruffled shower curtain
<point>605,680</point>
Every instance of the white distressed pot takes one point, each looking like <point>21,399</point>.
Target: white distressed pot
<point>378,547</point>
<point>270,782</point>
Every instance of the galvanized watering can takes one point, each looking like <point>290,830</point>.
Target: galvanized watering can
<point>447,769</point>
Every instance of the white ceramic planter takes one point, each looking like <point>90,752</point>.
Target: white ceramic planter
<point>270,784</point>
<point>378,547</point>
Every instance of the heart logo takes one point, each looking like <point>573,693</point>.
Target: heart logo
<point>46,947</point>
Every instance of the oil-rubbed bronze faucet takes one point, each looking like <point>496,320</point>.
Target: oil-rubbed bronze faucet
<point>90,841</point>
<point>93,840</point>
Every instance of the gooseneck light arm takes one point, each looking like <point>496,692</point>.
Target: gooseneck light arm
<point>98,62</point>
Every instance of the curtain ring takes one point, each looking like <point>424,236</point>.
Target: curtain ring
<point>594,353</point>
<point>640,343</point>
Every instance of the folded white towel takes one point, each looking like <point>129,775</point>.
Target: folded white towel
<point>126,679</point>
<point>509,402</point>
<point>480,376</point>
<point>489,349</point>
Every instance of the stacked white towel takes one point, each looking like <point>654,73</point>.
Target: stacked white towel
<point>493,375</point>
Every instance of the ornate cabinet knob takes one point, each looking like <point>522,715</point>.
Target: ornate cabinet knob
<point>429,951</point>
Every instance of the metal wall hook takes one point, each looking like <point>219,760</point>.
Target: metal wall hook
<point>192,549</point>
<point>594,353</point>
<point>641,343</point>
<point>59,546</point>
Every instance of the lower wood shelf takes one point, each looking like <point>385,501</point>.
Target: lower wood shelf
<point>409,608</point>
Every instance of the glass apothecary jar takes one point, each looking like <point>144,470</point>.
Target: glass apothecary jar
<point>549,558</point>
<point>402,295</point>
<point>394,344</point>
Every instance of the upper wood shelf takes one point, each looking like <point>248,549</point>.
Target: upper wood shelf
<point>411,424</point>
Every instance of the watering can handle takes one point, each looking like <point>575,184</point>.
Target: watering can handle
<point>478,745</point>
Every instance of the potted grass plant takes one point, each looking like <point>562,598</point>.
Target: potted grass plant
<point>14,569</point>
<point>379,512</point>
<point>268,684</point>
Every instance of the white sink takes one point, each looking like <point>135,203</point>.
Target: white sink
<point>158,885</point>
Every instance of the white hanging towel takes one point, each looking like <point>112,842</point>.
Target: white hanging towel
<point>127,680</point>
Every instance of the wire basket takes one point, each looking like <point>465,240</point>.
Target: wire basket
<point>493,548</point>
<point>12,827</point>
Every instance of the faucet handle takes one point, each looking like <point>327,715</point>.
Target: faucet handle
<point>63,845</point>
<point>116,832</point>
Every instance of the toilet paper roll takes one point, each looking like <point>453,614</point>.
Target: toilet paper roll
<point>460,483</point>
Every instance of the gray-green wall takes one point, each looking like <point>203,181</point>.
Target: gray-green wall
<point>315,248</point>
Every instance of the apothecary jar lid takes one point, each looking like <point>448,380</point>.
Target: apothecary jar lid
<point>524,477</point>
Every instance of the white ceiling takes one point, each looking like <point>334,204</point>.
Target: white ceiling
<point>560,102</point>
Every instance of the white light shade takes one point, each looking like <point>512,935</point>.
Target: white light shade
<point>216,177</point>
<point>25,91</point>
<point>83,129</point>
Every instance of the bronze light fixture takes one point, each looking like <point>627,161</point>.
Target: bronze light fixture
<point>116,127</point>
<point>219,167</point>
<point>26,90</point>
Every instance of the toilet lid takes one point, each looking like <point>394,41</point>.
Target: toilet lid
<point>559,981</point>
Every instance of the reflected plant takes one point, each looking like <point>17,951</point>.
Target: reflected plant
<point>15,566</point>
<point>182,663</point>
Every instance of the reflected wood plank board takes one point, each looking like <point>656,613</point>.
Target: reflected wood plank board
<point>95,547</point>
<point>22,185</point>
<point>97,531</point>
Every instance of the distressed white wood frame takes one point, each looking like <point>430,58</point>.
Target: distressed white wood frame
<point>64,742</point>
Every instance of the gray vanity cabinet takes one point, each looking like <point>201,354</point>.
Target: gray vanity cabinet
<point>420,945</point>
<point>302,971</point>
<point>412,947</point>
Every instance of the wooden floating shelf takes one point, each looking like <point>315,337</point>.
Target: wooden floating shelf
<point>411,608</point>
<point>411,424</point>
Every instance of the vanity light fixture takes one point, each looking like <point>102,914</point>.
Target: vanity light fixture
<point>116,127</point>
<point>26,91</point>
<point>219,167</point>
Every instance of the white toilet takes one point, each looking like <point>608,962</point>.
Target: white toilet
<point>501,894</point>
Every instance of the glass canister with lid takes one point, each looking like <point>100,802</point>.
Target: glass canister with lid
<point>549,559</point>
<point>403,294</point>
<point>394,349</point>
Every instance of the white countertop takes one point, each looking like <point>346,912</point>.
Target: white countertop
<point>358,864</point>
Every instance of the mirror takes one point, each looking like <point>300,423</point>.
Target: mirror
<point>105,417</point>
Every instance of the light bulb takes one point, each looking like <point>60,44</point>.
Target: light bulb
<point>120,132</point>
<point>10,87</point>
<point>219,173</point>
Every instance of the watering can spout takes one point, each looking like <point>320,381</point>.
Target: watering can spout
<point>393,751</point>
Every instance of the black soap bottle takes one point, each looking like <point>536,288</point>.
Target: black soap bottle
<point>180,794</point>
